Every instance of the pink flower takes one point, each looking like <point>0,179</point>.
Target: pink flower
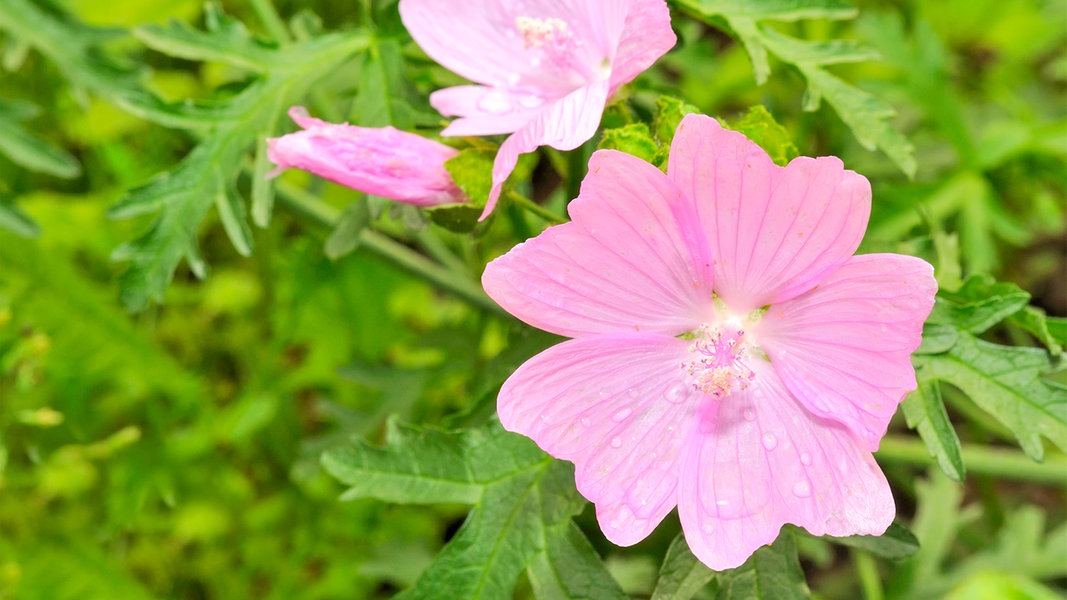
<point>730,355</point>
<point>381,161</point>
<point>547,67</point>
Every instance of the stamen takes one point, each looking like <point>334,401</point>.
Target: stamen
<point>551,42</point>
<point>718,367</point>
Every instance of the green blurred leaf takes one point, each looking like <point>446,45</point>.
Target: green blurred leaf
<point>771,573</point>
<point>460,218</point>
<point>759,126</point>
<point>345,236</point>
<point>776,10</point>
<point>896,543</point>
<point>569,568</point>
<point>73,571</point>
<point>1006,382</point>
<point>24,149</point>
<point>15,221</point>
<point>226,41</point>
<point>682,575</point>
<point>924,411</point>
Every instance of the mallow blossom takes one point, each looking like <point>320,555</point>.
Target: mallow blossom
<point>544,68</point>
<point>382,161</point>
<point>731,356</point>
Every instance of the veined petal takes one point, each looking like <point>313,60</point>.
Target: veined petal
<point>381,160</point>
<point>646,36</point>
<point>485,110</point>
<point>621,265</point>
<point>843,349</point>
<point>775,232</point>
<point>617,407</point>
<point>564,125</point>
<point>758,460</point>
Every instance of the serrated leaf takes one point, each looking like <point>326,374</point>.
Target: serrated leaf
<point>980,303</point>
<point>424,466</point>
<point>472,170</point>
<point>771,573</point>
<point>775,10</point>
<point>1035,321</point>
<point>226,40</point>
<point>669,114</point>
<point>1006,382</point>
<point>759,126</point>
<point>28,151</point>
<point>924,411</point>
<point>634,139</point>
<point>569,568</point>
<point>503,533</point>
<point>232,212</point>
<point>381,78</point>
<point>682,575</point>
<point>896,543</point>
<point>345,237</point>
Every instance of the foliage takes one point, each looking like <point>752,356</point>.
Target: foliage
<point>313,416</point>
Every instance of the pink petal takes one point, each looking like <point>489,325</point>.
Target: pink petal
<point>645,37</point>
<point>621,265</point>
<point>618,408</point>
<point>381,161</point>
<point>775,231</point>
<point>844,348</point>
<point>485,110</point>
<point>563,125</point>
<point>758,460</point>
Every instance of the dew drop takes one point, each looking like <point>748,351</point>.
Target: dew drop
<point>585,422</point>
<point>513,79</point>
<point>494,102</point>
<point>619,416</point>
<point>530,100</point>
<point>632,392</point>
<point>616,442</point>
<point>801,489</point>
<point>749,414</point>
<point>706,528</point>
<point>805,458</point>
<point>769,441</point>
<point>676,394</point>
<point>602,394</point>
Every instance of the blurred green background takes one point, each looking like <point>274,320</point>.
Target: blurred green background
<point>174,452</point>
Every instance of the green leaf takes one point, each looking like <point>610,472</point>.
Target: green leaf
<point>345,237</point>
<point>924,411</point>
<point>15,221</point>
<point>669,114</point>
<point>759,126</point>
<point>772,573</point>
<point>980,304</point>
<point>423,466</point>
<point>472,170</point>
<point>682,575</point>
<point>226,41</point>
<point>896,543</point>
<point>381,80</point>
<point>634,139</point>
<point>868,117</point>
<point>570,568</point>
<point>460,218</point>
<point>26,150</point>
<point>232,212</point>
<point>1006,382</point>
<point>183,195</point>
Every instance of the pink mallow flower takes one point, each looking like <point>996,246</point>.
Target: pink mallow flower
<point>382,161</point>
<point>731,356</point>
<point>546,67</point>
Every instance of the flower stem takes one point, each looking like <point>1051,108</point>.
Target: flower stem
<point>1000,462</point>
<point>317,211</point>
<point>535,208</point>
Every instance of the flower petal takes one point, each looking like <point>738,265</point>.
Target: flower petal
<point>485,110</point>
<point>376,160</point>
<point>617,407</point>
<point>758,460</point>
<point>565,124</point>
<point>843,349</point>
<point>775,231</point>
<point>621,265</point>
<point>645,37</point>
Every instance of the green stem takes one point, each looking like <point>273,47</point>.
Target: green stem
<point>533,207</point>
<point>310,207</point>
<point>867,569</point>
<point>999,462</point>
<point>269,16</point>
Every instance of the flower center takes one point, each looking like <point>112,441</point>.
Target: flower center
<point>718,356</point>
<point>550,40</point>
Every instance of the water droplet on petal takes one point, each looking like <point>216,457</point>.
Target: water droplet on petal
<point>603,394</point>
<point>749,414</point>
<point>676,394</point>
<point>706,528</point>
<point>585,422</point>
<point>530,100</point>
<point>494,102</point>
<point>805,458</point>
<point>632,392</point>
<point>513,78</point>
<point>801,489</point>
<point>621,415</point>
<point>769,441</point>
<point>616,442</point>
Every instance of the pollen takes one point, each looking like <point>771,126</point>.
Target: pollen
<point>539,32</point>
<point>718,364</point>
